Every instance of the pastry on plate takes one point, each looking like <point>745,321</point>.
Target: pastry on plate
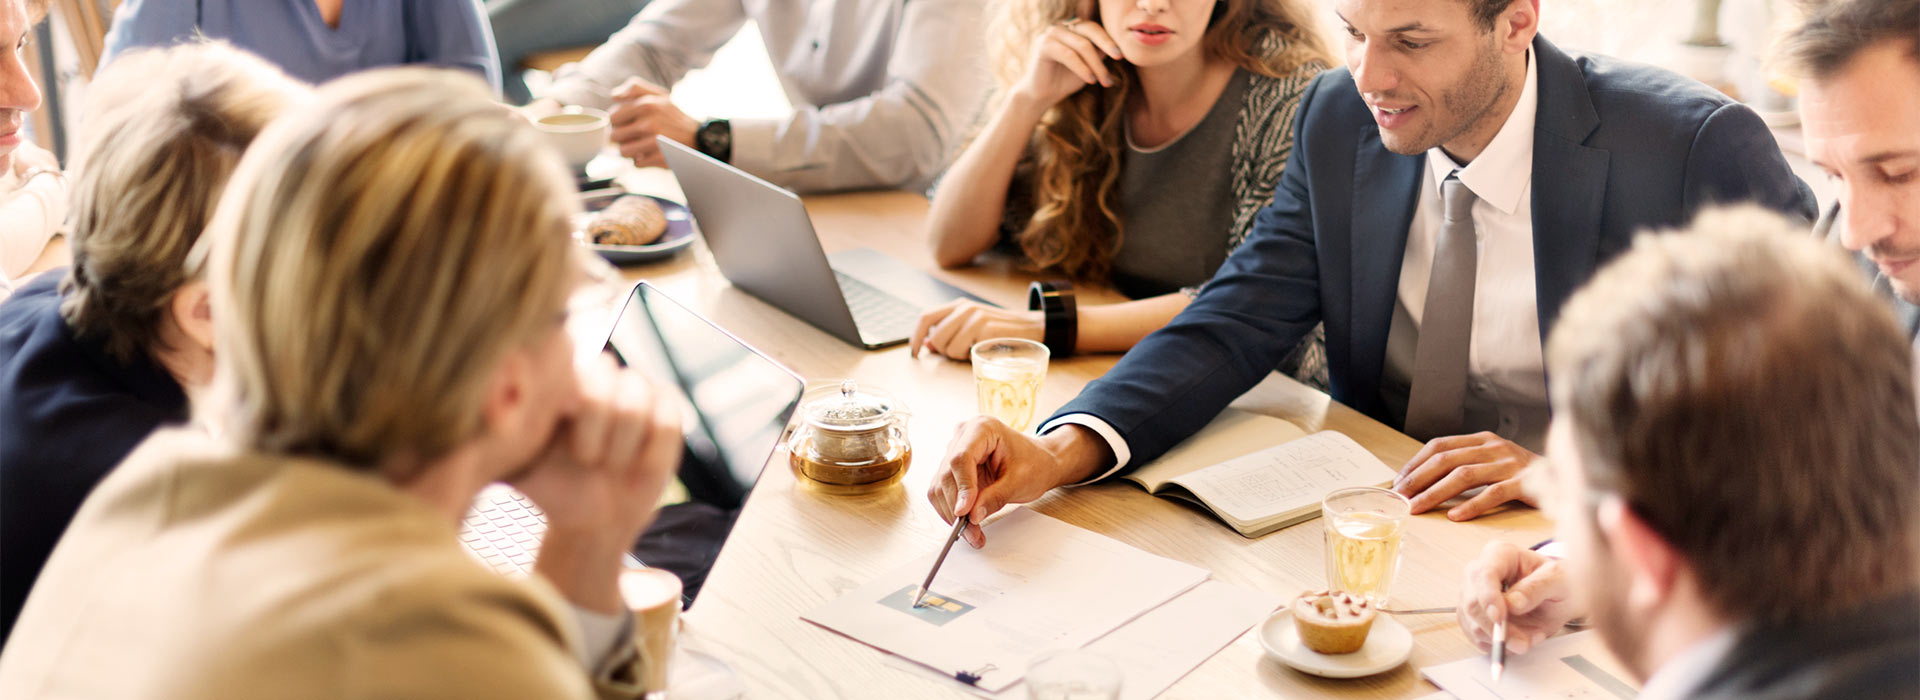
<point>628,220</point>
<point>1332,622</point>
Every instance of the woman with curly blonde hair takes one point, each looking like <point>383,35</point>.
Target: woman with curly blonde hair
<point>1131,143</point>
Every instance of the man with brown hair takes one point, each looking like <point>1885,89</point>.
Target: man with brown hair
<point>1859,61</point>
<point>33,192</point>
<point>1735,469</point>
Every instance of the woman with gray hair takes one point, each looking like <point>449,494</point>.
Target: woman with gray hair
<point>92,360</point>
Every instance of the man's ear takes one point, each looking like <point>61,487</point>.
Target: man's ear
<point>193,313</point>
<point>1653,567</point>
<point>1518,25</point>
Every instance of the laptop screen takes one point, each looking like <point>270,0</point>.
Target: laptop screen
<point>737,405</point>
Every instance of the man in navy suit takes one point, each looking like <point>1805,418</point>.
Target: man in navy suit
<point>1447,194</point>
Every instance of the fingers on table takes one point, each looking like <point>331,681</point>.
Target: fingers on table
<point>928,320</point>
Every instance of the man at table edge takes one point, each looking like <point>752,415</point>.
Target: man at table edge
<point>1439,95</point>
<point>1739,521</point>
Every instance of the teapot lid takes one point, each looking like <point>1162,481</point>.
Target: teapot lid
<point>848,409</point>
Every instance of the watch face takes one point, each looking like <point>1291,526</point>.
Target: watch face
<point>716,139</point>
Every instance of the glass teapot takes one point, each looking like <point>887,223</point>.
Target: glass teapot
<point>850,440</point>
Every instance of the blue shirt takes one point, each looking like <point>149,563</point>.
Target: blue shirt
<point>68,415</point>
<point>291,34</point>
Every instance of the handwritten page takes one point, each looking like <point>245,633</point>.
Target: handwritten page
<point>1039,585</point>
<point>1285,477</point>
<point>1231,434</point>
<point>1571,667</point>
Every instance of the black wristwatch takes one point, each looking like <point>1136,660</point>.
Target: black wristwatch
<point>715,138</point>
<point>1055,299</point>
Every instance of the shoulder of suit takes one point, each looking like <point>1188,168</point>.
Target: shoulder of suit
<point>1627,91</point>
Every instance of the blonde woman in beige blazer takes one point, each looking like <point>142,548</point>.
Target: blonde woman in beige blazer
<point>389,270</point>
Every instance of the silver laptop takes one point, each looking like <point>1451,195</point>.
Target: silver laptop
<point>765,244</point>
<point>737,404</point>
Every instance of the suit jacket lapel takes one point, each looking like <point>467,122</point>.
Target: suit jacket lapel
<point>1569,183</point>
<point>1386,190</point>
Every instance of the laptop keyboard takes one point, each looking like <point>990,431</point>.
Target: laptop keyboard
<point>877,313</point>
<point>503,530</point>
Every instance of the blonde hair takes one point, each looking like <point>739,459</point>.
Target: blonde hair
<point>1076,226</point>
<point>374,262</point>
<point>164,128</point>
<point>1751,400</point>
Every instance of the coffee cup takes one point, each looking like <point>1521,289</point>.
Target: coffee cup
<point>654,597</point>
<point>579,133</point>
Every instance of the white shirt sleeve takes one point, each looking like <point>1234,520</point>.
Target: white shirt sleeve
<point>662,43</point>
<point>902,134</point>
<point>609,640</point>
<point>1121,455</point>
<point>30,213</point>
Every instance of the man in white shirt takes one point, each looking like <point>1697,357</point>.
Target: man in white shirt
<point>33,192</point>
<point>1446,195</point>
<point>1732,471</point>
<point>883,90</point>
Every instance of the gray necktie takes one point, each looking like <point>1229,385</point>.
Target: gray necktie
<point>1436,402</point>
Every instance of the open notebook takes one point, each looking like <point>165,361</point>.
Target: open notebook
<point>1259,473</point>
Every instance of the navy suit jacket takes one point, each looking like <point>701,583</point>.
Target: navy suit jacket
<point>1617,148</point>
<point>68,416</point>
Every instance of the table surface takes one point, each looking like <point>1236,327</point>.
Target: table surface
<point>794,548</point>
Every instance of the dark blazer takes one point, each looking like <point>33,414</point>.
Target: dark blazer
<point>1869,654</point>
<point>1617,148</point>
<point>68,414</point>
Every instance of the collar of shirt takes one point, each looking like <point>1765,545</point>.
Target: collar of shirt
<point>1682,674</point>
<point>1504,169</point>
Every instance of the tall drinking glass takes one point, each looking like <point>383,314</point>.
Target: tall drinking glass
<point>1007,373</point>
<point>1364,526</point>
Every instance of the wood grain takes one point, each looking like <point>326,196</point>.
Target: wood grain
<point>795,549</point>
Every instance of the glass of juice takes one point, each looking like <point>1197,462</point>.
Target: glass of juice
<point>1364,526</point>
<point>1007,373</point>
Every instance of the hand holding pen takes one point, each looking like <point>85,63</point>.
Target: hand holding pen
<point>1528,593</point>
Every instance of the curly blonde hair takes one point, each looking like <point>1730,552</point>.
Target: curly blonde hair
<point>1075,228</point>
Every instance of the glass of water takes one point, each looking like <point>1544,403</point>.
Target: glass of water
<point>1007,373</point>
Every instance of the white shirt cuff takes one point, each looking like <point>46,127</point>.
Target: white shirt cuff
<point>604,635</point>
<point>1106,432</point>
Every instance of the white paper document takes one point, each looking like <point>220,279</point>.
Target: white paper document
<point>1571,667</point>
<point>1039,585</point>
<point>1164,645</point>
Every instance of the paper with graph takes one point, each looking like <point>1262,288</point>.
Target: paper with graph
<point>1039,585</point>
<point>1571,667</point>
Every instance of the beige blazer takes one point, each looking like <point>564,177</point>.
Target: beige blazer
<point>194,572</point>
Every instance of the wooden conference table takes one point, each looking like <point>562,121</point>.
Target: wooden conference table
<point>794,548</point>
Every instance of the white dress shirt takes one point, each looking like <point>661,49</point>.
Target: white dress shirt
<point>30,214</point>
<point>1504,364</point>
<point>883,90</point>
<point>1505,368</point>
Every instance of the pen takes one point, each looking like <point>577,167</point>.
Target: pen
<point>959,524</point>
<point>1500,643</point>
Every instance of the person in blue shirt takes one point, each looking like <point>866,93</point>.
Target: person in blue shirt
<point>319,40</point>
<point>95,357</point>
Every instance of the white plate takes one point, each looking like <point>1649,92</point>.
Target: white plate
<point>1389,644</point>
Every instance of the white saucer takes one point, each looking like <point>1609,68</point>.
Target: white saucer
<point>1388,645</point>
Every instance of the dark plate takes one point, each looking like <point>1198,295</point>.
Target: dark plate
<point>679,233</point>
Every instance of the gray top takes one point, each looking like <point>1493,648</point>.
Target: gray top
<point>1178,203</point>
